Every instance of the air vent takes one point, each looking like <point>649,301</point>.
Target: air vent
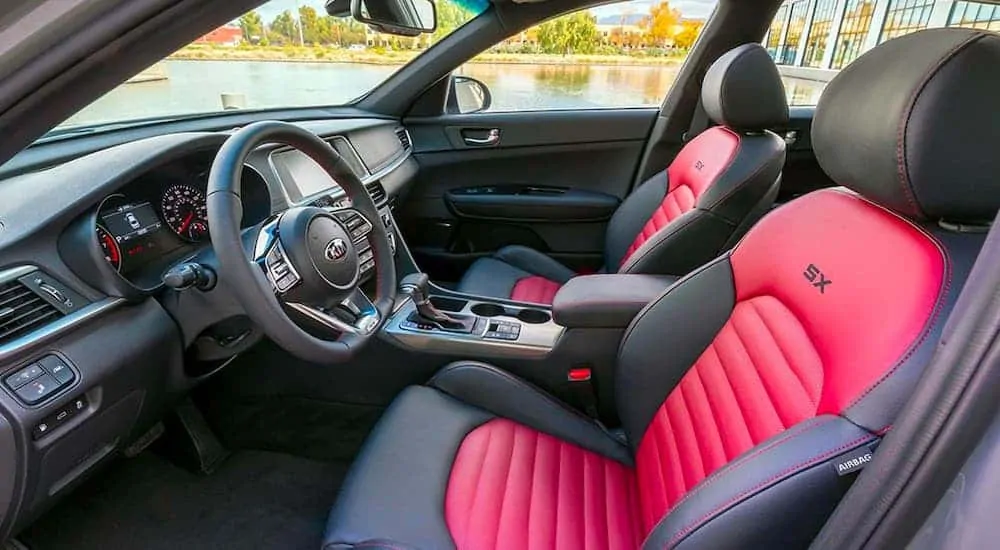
<point>21,311</point>
<point>377,192</point>
<point>404,137</point>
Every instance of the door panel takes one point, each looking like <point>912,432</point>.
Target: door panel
<point>802,173</point>
<point>545,179</point>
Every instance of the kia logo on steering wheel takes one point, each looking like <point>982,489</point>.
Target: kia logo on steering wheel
<point>336,250</point>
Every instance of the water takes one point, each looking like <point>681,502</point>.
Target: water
<point>196,86</point>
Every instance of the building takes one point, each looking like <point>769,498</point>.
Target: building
<point>815,38</point>
<point>226,35</point>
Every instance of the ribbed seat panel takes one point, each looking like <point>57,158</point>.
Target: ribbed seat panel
<point>514,487</point>
<point>758,377</point>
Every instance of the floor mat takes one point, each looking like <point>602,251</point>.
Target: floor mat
<point>254,500</point>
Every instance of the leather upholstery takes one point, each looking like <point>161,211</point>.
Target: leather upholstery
<point>738,494</point>
<point>402,474</point>
<point>936,121</point>
<point>739,389</point>
<point>514,487</point>
<point>606,301</point>
<point>499,275</point>
<point>508,396</point>
<point>718,185</point>
<point>534,289</point>
<point>388,477</point>
<point>743,90</point>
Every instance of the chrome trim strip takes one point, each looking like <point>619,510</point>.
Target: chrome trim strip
<point>16,273</point>
<point>23,344</point>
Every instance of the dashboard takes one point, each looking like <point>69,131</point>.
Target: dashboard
<point>85,239</point>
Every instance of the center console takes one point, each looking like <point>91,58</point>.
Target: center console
<point>476,328</point>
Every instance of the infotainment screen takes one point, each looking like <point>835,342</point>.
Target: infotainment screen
<point>300,175</point>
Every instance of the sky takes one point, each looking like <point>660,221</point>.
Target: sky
<point>699,9</point>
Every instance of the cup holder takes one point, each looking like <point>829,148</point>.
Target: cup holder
<point>533,316</point>
<point>488,310</point>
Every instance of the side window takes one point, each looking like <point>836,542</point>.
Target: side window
<point>612,56</point>
<point>811,40</point>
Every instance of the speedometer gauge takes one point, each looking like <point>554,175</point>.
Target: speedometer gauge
<point>185,212</point>
<point>112,253</point>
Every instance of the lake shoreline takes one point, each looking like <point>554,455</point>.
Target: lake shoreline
<point>489,59</point>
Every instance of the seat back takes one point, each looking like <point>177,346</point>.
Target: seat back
<point>720,183</point>
<point>749,384</point>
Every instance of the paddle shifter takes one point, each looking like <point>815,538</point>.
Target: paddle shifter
<point>415,287</point>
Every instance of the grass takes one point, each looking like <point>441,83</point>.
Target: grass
<point>383,56</point>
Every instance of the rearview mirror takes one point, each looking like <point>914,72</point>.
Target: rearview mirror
<point>402,17</point>
<point>338,8</point>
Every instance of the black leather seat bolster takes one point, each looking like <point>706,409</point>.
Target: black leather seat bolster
<point>396,487</point>
<point>606,301</point>
<point>534,262</point>
<point>776,495</point>
<point>490,277</point>
<point>497,276</point>
<point>506,395</point>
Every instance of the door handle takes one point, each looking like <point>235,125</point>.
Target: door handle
<point>492,138</point>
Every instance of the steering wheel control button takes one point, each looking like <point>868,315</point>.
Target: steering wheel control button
<point>280,272</point>
<point>60,417</point>
<point>38,389</point>
<point>23,376</point>
<point>58,369</point>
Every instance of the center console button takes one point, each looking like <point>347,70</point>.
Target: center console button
<point>58,369</point>
<point>23,376</point>
<point>38,389</point>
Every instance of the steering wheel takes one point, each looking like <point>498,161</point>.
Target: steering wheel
<point>304,258</point>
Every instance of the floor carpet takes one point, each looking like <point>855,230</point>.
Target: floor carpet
<point>254,500</point>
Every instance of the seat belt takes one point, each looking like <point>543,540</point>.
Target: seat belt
<point>699,122</point>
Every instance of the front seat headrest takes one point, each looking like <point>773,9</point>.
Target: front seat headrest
<point>914,125</point>
<point>743,90</point>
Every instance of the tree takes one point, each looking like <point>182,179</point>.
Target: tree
<point>345,31</point>
<point>315,30</point>
<point>450,16</point>
<point>688,34</point>
<point>252,26</point>
<point>573,33</point>
<point>661,24</point>
<point>284,29</point>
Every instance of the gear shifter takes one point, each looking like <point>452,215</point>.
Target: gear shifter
<point>415,286</point>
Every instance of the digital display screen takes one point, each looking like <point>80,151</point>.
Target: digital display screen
<point>140,234</point>
<point>301,176</point>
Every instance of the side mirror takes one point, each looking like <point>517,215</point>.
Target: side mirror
<point>401,17</point>
<point>468,95</point>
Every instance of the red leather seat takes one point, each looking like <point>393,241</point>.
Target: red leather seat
<point>719,185</point>
<point>746,383</point>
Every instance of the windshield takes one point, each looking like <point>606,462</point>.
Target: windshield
<point>286,53</point>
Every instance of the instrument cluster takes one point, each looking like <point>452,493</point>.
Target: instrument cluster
<point>162,216</point>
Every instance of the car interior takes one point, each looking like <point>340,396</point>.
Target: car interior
<point>392,325</point>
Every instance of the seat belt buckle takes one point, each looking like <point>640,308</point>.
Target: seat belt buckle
<point>581,385</point>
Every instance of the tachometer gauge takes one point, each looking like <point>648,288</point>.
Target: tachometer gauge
<point>112,253</point>
<point>185,212</point>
